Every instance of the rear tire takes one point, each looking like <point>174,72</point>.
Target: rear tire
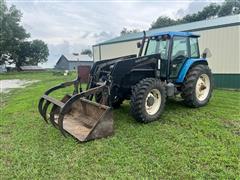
<point>148,100</point>
<point>197,86</point>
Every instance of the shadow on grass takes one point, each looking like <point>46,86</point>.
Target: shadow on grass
<point>175,106</point>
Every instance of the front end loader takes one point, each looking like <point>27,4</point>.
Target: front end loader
<point>77,113</point>
<point>167,64</point>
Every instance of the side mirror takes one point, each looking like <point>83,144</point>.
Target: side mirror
<point>139,44</point>
<point>206,53</point>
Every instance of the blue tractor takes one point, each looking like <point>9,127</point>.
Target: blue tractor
<point>168,64</point>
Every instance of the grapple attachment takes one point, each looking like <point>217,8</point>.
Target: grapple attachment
<point>76,114</point>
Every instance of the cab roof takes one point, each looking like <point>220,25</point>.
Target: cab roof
<point>173,33</point>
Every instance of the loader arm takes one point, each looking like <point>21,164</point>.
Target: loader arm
<point>103,66</point>
<point>123,69</point>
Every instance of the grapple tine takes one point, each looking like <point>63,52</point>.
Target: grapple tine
<point>40,109</point>
<point>60,124</point>
<point>45,107</point>
<point>52,116</point>
<point>40,103</point>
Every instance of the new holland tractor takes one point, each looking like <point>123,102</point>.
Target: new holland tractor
<point>167,64</point>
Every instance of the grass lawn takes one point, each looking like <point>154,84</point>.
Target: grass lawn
<point>185,143</point>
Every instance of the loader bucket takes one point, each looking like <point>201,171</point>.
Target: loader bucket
<point>87,120</point>
<point>78,116</point>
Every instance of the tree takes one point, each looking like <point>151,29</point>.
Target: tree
<point>87,52</point>
<point>23,53</point>
<point>229,7</point>
<point>11,32</point>
<point>163,21</point>
<point>126,31</point>
<point>31,53</point>
<point>38,52</point>
<point>14,47</point>
<point>208,12</point>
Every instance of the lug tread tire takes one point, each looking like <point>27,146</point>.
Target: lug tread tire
<point>188,90</point>
<point>137,103</point>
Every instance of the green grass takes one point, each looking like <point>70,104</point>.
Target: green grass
<point>185,143</point>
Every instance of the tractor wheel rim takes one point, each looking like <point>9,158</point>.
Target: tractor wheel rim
<point>154,107</point>
<point>202,87</point>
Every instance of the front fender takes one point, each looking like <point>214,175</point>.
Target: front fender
<point>186,67</point>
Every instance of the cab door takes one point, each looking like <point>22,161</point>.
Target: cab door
<point>159,46</point>
<point>179,54</point>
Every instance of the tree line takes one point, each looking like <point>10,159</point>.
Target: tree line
<point>15,46</point>
<point>213,10</point>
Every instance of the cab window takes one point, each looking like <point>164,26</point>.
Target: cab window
<point>163,48</point>
<point>151,49</point>
<point>194,48</point>
<point>158,45</point>
<point>179,50</point>
<point>179,54</point>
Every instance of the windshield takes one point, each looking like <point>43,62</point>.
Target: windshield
<point>158,45</point>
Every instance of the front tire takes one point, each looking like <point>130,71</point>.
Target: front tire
<point>148,100</point>
<point>197,86</point>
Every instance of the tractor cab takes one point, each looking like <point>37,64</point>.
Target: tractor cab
<point>173,45</point>
<point>174,48</point>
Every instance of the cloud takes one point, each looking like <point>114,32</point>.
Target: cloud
<point>85,35</point>
<point>194,6</point>
<point>70,26</point>
<point>102,36</point>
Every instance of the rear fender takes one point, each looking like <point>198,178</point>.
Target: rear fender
<point>187,65</point>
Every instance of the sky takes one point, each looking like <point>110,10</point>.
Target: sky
<point>73,25</point>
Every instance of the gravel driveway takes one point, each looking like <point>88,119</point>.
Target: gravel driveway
<point>7,85</point>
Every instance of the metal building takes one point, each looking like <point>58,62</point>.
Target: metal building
<point>31,68</point>
<point>72,61</point>
<point>3,68</point>
<point>220,35</point>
